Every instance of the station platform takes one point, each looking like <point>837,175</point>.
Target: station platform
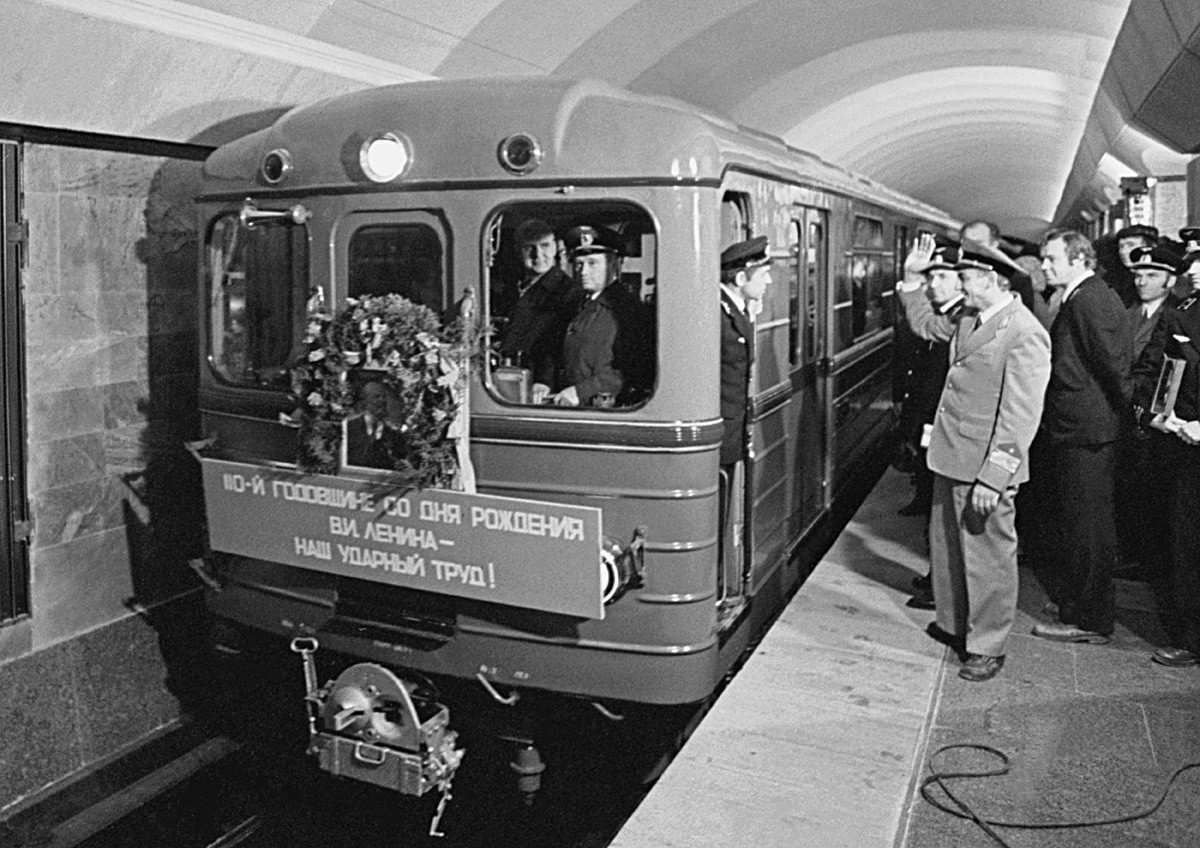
<point>825,734</point>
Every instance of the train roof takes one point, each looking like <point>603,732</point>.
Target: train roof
<point>588,130</point>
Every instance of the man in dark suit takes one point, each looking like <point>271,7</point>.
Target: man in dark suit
<point>978,449</point>
<point>1087,406</point>
<point>1175,459</point>
<point>1153,277</point>
<point>546,300</point>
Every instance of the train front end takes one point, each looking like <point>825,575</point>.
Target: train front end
<point>566,550</point>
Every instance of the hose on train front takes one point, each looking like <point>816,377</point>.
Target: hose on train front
<point>964,811</point>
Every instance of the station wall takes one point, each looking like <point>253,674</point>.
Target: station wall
<point>108,654</point>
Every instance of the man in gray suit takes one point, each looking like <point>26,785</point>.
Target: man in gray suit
<point>978,450</point>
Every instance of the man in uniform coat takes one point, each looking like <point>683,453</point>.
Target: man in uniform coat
<point>606,347</point>
<point>1175,460</point>
<point>546,301</point>
<point>978,449</point>
<point>1087,407</point>
<point>745,273</point>
<point>1153,277</point>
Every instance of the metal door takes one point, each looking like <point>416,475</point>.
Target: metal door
<point>14,524</point>
<point>812,476</point>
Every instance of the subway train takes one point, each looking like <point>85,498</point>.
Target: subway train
<point>585,562</point>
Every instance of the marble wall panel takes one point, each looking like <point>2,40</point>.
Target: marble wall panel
<point>52,415</point>
<point>54,365</point>
<point>76,510</point>
<point>65,461</point>
<point>81,585</point>
<point>62,316</point>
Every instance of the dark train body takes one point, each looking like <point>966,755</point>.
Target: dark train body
<point>478,159</point>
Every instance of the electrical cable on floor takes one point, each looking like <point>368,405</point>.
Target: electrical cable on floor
<point>964,811</point>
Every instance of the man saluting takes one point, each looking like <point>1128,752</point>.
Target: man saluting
<point>979,443</point>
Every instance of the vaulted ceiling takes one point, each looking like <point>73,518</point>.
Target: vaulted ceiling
<point>985,108</point>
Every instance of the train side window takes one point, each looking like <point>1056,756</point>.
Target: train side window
<point>404,259</point>
<point>258,284</point>
<point>795,284</point>
<point>864,299</point>
<point>814,282</point>
<point>548,343</point>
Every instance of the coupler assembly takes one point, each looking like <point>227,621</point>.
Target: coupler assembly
<point>371,725</point>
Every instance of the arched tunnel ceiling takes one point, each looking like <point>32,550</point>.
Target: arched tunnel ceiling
<point>976,106</point>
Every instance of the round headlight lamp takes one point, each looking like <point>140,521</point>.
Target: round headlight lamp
<point>385,156</point>
<point>275,166</point>
<point>520,153</point>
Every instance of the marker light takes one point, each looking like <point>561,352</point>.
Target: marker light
<point>384,157</point>
<point>520,153</point>
<point>275,166</point>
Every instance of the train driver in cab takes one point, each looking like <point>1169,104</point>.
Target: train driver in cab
<point>546,300</point>
<point>602,342</point>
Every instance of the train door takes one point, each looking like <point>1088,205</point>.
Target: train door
<point>811,483</point>
<point>734,552</point>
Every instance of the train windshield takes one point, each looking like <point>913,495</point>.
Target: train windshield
<point>258,286</point>
<point>571,304</point>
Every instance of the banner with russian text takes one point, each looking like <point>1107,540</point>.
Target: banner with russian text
<point>531,554</point>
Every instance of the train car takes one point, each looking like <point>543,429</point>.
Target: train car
<point>586,562</point>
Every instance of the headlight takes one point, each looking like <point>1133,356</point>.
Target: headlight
<point>520,153</point>
<point>275,166</point>
<point>384,157</point>
<point>621,566</point>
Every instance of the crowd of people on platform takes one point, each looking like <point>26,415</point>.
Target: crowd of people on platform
<point>1053,402</point>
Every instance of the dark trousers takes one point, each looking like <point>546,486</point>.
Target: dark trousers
<point>1173,555</point>
<point>1137,488</point>
<point>1085,535</point>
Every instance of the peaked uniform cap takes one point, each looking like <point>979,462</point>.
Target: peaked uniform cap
<point>587,239</point>
<point>1158,258</point>
<point>743,254</point>
<point>944,258</point>
<point>987,259</point>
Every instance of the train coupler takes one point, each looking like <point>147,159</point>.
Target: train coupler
<point>373,726</point>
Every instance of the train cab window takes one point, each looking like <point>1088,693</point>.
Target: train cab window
<point>258,286</point>
<point>735,218</point>
<point>397,258</point>
<point>571,332</point>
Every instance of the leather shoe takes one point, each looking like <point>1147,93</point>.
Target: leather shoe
<point>1178,657</point>
<point>979,668</point>
<point>1069,633</point>
<point>956,643</point>
<point>921,601</point>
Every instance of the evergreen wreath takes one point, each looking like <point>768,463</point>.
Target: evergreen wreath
<point>417,360</point>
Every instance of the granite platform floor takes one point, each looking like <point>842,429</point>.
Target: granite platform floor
<point>823,736</point>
